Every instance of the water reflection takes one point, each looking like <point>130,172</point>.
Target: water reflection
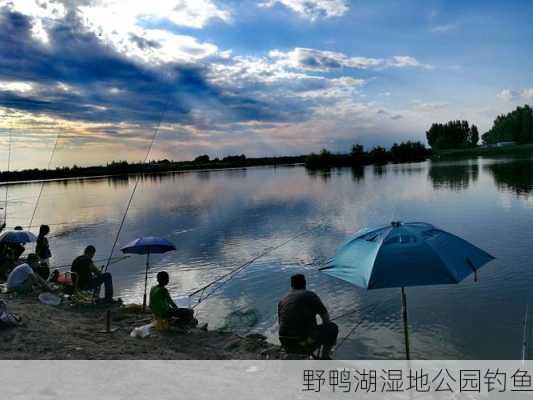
<point>453,176</point>
<point>221,219</point>
<point>358,173</point>
<point>516,176</point>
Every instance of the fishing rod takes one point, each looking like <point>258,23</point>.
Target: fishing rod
<point>8,168</point>
<point>42,183</point>
<point>525,335</point>
<point>231,274</point>
<point>114,260</point>
<point>60,224</point>
<point>137,180</point>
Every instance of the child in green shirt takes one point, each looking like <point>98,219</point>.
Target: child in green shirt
<point>164,307</point>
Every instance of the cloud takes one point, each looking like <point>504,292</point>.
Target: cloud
<point>15,86</point>
<point>77,76</point>
<point>428,106</point>
<point>322,60</point>
<point>527,94</point>
<point>442,28</point>
<point>312,9</point>
<point>507,95</point>
<point>99,83</point>
<point>120,24</point>
<point>406,61</point>
<point>124,15</point>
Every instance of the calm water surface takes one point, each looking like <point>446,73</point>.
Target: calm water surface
<point>221,219</point>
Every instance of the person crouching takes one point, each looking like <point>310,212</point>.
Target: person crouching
<point>23,278</point>
<point>298,330</point>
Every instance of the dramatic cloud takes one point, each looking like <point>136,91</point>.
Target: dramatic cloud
<point>77,76</point>
<point>312,9</point>
<point>105,73</point>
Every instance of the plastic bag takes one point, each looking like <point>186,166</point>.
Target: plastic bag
<point>142,331</point>
<point>7,319</point>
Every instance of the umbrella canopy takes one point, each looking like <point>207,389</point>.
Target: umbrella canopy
<point>17,237</point>
<point>405,254</point>
<point>148,244</point>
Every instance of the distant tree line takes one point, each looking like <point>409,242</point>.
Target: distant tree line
<point>452,135</point>
<point>403,152</point>
<point>408,151</point>
<point>516,126</point>
<point>118,168</point>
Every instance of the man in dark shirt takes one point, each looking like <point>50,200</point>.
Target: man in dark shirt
<point>297,313</point>
<point>89,277</point>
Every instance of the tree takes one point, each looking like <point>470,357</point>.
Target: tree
<point>474,136</point>
<point>452,135</point>
<point>379,155</point>
<point>516,126</point>
<point>358,154</point>
<point>202,159</point>
<point>408,152</point>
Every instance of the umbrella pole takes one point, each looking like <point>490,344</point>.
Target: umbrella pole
<point>405,326</point>
<point>146,279</point>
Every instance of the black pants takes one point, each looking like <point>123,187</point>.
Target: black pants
<point>322,335</point>
<point>97,281</point>
<point>183,315</point>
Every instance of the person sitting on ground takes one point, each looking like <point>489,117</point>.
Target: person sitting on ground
<point>164,307</point>
<point>42,249</point>
<point>298,329</point>
<point>89,277</point>
<point>23,278</point>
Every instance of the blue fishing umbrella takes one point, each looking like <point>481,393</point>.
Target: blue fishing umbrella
<point>148,245</point>
<point>405,254</point>
<point>17,237</point>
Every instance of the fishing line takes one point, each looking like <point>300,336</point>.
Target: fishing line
<point>8,168</point>
<point>137,180</point>
<point>231,274</point>
<point>42,183</point>
<point>356,310</point>
<point>337,347</point>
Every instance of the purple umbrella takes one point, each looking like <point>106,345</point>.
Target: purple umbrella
<point>148,245</point>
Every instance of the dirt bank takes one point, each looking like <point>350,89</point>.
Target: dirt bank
<point>72,332</point>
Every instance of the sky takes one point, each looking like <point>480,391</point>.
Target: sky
<point>267,77</point>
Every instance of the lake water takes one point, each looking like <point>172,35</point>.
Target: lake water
<point>221,219</point>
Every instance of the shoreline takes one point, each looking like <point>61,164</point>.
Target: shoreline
<point>72,332</point>
<point>144,173</point>
<point>518,150</point>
